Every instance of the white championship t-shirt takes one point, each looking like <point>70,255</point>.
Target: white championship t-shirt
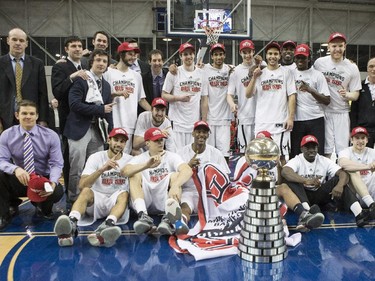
<point>307,107</point>
<point>125,110</point>
<point>184,114</point>
<point>338,75</point>
<point>110,181</point>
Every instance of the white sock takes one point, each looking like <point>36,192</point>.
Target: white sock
<point>112,217</point>
<point>356,208</point>
<point>368,200</point>
<point>306,206</point>
<point>75,214</point>
<point>139,205</point>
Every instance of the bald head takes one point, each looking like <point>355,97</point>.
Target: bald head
<point>17,41</point>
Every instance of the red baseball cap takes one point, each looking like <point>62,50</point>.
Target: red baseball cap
<point>289,43</point>
<point>359,130</point>
<point>217,46</point>
<point>336,35</point>
<point>263,134</point>
<point>273,45</point>
<point>247,44</point>
<point>154,134</point>
<point>303,50</point>
<point>36,184</point>
<point>307,139</point>
<point>125,47</point>
<point>184,47</point>
<point>201,123</point>
<point>159,101</point>
<point>118,131</point>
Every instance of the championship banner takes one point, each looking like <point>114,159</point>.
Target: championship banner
<point>220,211</point>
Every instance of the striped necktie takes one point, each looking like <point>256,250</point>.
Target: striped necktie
<point>18,80</point>
<point>28,154</point>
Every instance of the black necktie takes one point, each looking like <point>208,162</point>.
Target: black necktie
<point>157,90</point>
<point>99,82</point>
<point>79,67</point>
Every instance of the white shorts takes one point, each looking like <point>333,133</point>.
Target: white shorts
<point>337,132</point>
<point>283,141</point>
<point>181,139</point>
<point>220,138</point>
<point>102,207</point>
<point>245,134</point>
<point>190,196</point>
<point>156,195</point>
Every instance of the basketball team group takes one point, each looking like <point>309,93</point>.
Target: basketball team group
<point>129,136</point>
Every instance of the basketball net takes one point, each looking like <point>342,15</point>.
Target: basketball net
<point>212,29</point>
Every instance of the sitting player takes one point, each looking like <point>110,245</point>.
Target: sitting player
<point>315,179</point>
<point>197,154</point>
<point>359,162</point>
<point>155,178</point>
<point>104,193</point>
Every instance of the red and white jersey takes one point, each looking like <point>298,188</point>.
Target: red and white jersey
<point>367,157</point>
<point>184,114</point>
<point>110,181</point>
<point>308,107</point>
<point>144,123</point>
<point>272,89</point>
<point>155,181</point>
<point>344,74</point>
<point>218,108</point>
<point>238,81</point>
<point>209,155</point>
<point>322,167</point>
<point>125,110</point>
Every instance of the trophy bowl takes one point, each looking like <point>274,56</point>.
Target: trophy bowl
<point>262,153</point>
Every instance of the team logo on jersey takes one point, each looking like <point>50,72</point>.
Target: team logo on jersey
<point>334,78</point>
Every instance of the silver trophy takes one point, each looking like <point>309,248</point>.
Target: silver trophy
<point>262,234</point>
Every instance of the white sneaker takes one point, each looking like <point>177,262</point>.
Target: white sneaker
<point>104,236</point>
<point>165,227</point>
<point>174,214</point>
<point>65,230</point>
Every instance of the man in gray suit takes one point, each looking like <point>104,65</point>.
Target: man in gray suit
<point>21,77</point>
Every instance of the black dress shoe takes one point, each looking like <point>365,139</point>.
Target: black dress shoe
<point>13,211</point>
<point>40,214</point>
<point>4,221</point>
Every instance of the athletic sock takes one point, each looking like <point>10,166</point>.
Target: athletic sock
<point>140,205</point>
<point>306,206</point>
<point>75,216</point>
<point>356,208</point>
<point>298,209</point>
<point>111,220</point>
<point>367,199</point>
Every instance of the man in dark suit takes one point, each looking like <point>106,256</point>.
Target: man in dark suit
<point>63,75</point>
<point>21,77</point>
<point>153,79</point>
<point>363,109</point>
<point>90,102</point>
<point>138,65</point>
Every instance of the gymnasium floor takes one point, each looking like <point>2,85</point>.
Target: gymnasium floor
<point>29,251</point>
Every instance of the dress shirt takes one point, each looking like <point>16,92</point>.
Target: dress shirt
<point>21,61</point>
<point>48,158</point>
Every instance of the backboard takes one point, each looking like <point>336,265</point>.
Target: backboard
<point>185,18</point>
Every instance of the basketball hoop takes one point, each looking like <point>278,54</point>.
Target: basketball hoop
<point>212,29</point>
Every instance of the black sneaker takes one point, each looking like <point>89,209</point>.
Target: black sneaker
<point>308,221</point>
<point>363,218</point>
<point>371,210</point>
<point>314,209</point>
<point>144,224</point>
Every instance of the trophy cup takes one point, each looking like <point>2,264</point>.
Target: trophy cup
<point>262,234</point>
